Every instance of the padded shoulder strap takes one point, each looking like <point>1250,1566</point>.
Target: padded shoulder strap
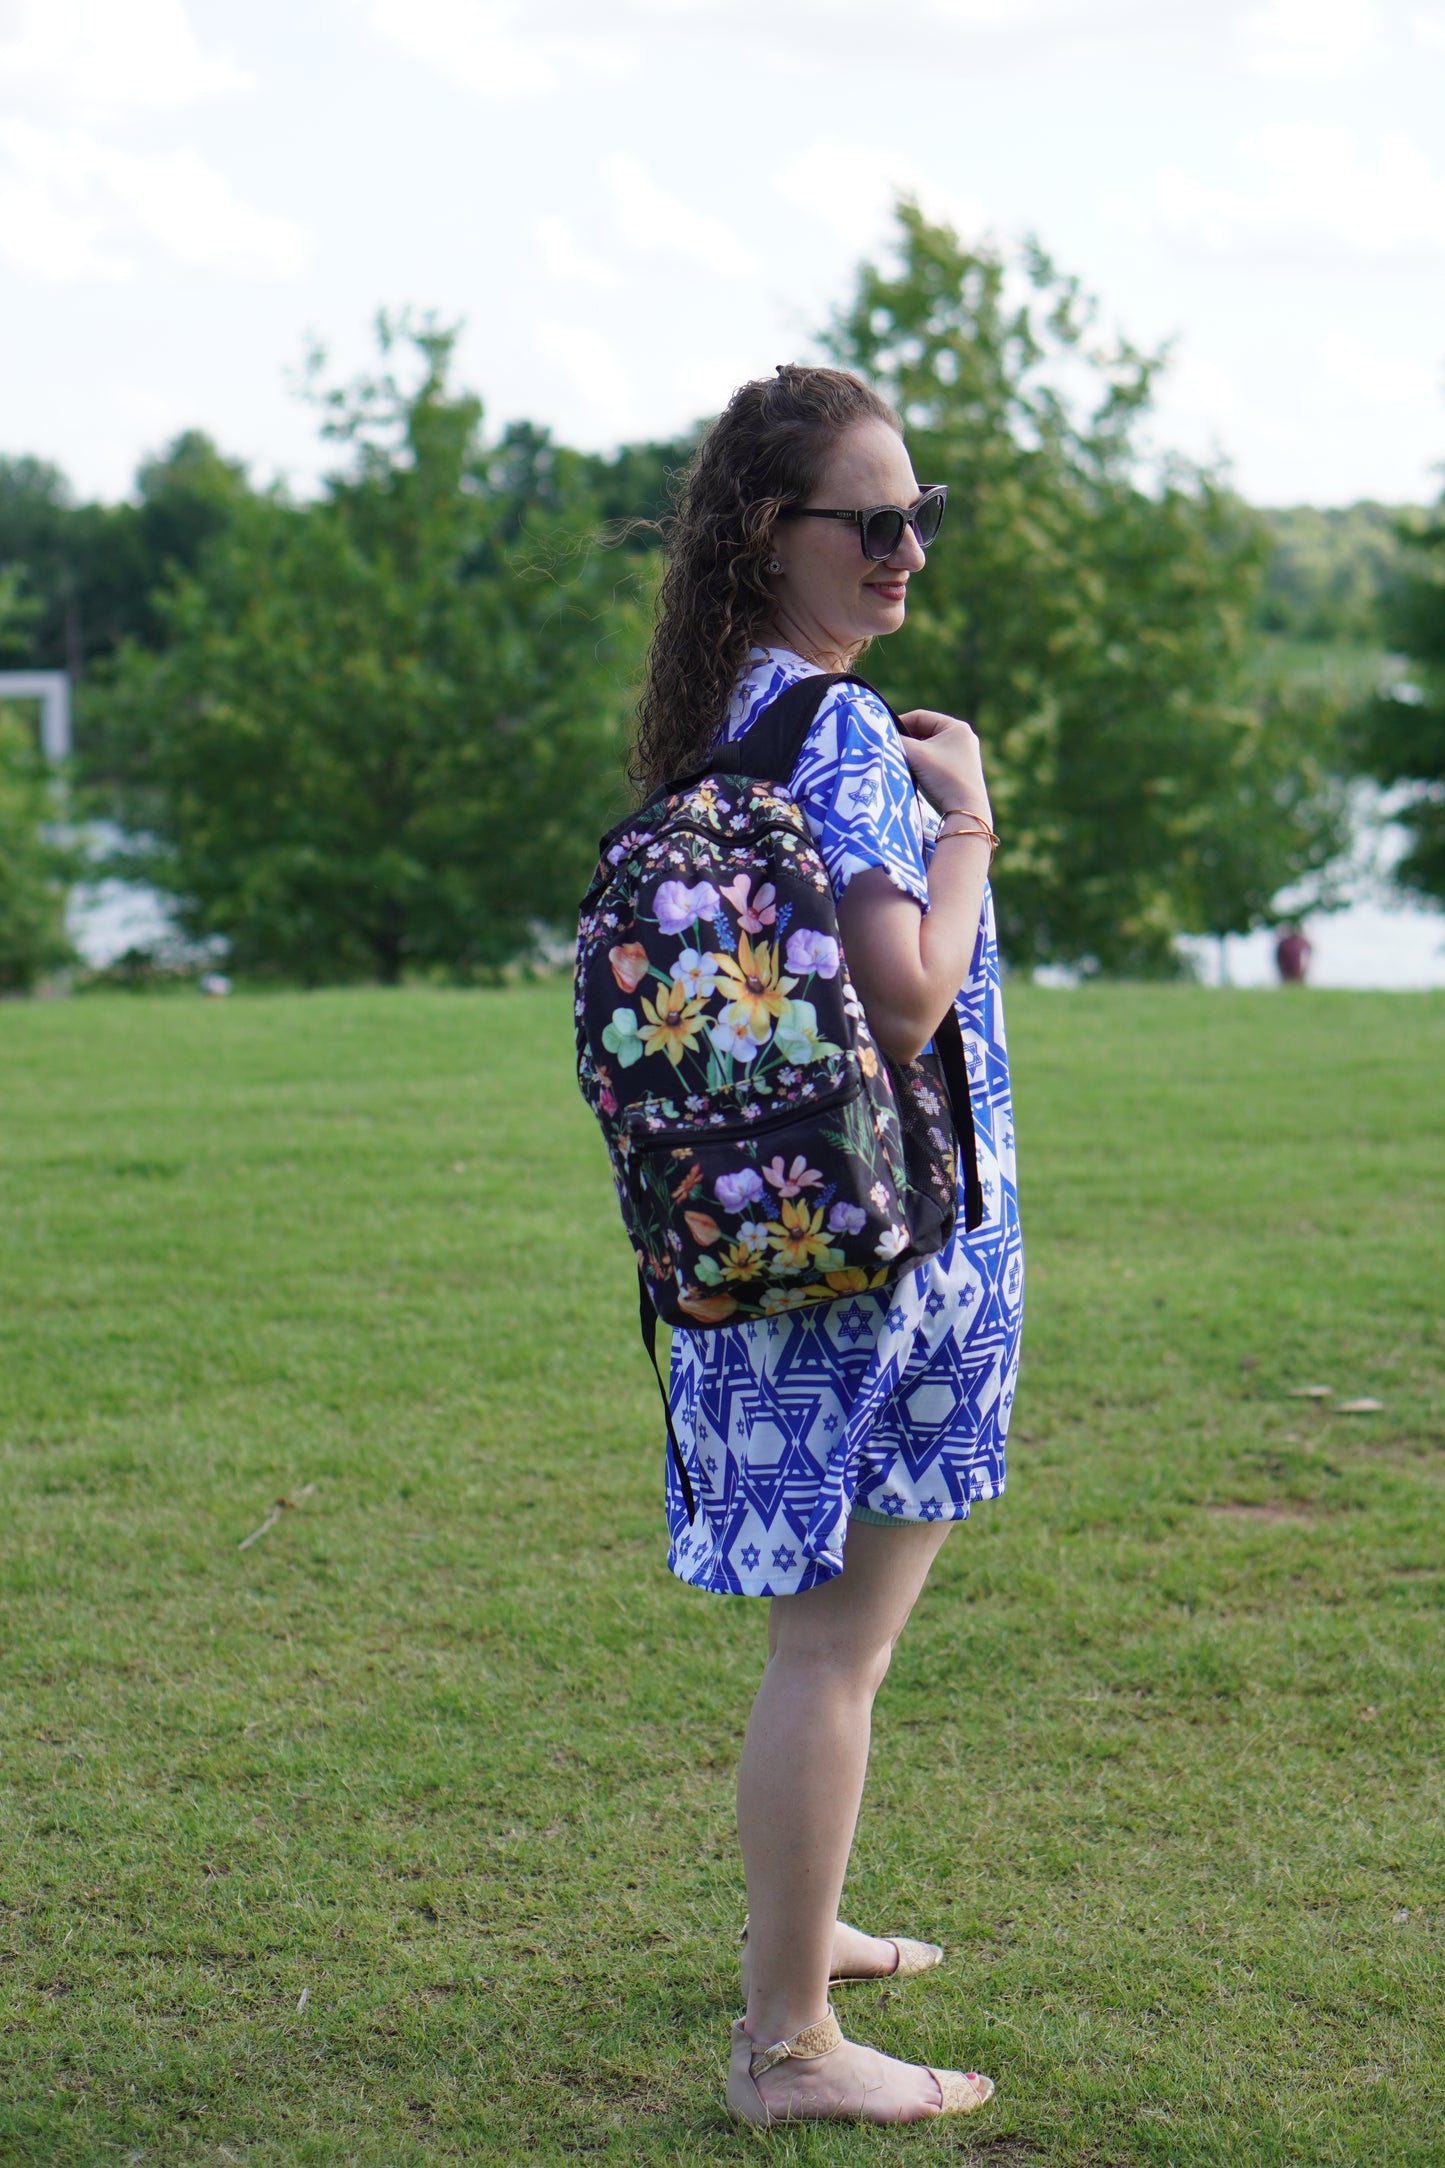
<point>770,745</point>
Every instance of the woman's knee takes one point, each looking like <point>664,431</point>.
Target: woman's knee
<point>833,1656</point>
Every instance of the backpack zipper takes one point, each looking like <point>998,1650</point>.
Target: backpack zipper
<point>695,1135</point>
<point>723,843</point>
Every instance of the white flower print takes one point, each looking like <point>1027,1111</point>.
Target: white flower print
<point>697,973</point>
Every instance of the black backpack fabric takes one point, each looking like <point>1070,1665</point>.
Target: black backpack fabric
<point>766,1155</point>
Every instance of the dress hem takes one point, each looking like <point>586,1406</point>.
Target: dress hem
<point>816,1571</point>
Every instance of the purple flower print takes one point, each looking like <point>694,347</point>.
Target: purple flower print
<point>846,1219</point>
<point>810,951</point>
<point>733,1191</point>
<point>679,906</point>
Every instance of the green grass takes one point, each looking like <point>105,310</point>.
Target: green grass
<point>449,1754</point>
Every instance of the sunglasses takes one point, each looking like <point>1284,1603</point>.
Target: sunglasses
<point>880,527</point>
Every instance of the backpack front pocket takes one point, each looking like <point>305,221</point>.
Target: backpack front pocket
<point>768,1213</point>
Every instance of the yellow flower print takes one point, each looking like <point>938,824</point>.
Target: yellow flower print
<point>797,1236</point>
<point>755,987</point>
<point>739,1262</point>
<point>672,1026</point>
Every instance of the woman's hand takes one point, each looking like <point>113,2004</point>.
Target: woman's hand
<point>908,967</point>
<point>946,761</point>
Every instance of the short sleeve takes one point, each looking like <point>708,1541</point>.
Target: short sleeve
<point>857,795</point>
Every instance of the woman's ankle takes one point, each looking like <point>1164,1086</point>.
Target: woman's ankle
<point>768,2022</point>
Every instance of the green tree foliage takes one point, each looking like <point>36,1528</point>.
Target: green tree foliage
<point>1403,729</point>
<point>1096,630</point>
<point>1332,572</point>
<point>92,570</point>
<point>384,729</point>
<point>33,870</point>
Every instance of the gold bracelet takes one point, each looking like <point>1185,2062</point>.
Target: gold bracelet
<point>980,828</point>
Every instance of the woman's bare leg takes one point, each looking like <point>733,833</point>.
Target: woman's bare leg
<point>799,1787</point>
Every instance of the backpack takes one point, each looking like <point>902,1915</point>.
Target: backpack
<point>766,1155</point>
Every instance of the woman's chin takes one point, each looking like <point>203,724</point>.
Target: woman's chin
<point>881,617</point>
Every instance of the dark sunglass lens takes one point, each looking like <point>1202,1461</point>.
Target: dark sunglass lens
<point>928,519</point>
<point>882,533</point>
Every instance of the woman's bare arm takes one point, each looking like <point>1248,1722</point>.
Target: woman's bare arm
<point>908,965</point>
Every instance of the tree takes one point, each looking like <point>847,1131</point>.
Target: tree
<point>1332,571</point>
<point>385,729</point>
<point>1096,631</point>
<point>33,869</point>
<point>1402,734</point>
<point>91,570</point>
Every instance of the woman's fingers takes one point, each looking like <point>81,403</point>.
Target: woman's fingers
<point>945,759</point>
<point>928,723</point>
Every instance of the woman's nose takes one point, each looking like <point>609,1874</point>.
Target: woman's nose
<point>909,555</point>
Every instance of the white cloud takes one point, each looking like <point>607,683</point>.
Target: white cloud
<point>590,362</point>
<point>1309,37</point>
<point>604,57</point>
<point>705,387</point>
<point>1318,187</point>
<point>1379,379</point>
<point>1431,28</point>
<point>983,14</point>
<point>495,46</point>
<point>471,41</point>
<point>102,53</point>
<point>656,224</point>
<point>852,189</point>
<point>563,259</point>
<point>72,207</point>
<point>1199,387</point>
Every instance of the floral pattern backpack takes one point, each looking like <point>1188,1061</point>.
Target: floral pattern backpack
<point>766,1155</point>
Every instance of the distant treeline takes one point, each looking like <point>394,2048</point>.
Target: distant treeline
<point>88,576</point>
<point>377,733</point>
<point>1333,571</point>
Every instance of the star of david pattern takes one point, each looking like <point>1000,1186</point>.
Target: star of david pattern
<point>897,1401</point>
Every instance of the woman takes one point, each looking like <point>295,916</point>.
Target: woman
<point>904,1395</point>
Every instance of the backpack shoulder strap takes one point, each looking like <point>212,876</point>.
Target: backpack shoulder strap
<point>770,746</point>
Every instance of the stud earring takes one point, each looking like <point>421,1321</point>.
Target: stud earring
<point>773,565</point>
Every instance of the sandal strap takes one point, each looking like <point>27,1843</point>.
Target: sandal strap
<point>805,2046</point>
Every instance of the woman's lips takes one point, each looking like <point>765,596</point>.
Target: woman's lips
<point>889,590</point>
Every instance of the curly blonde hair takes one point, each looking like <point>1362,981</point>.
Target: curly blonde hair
<point>765,452</point>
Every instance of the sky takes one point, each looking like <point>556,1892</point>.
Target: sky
<point>634,205</point>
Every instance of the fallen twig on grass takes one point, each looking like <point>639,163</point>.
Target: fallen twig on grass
<point>281,1506</point>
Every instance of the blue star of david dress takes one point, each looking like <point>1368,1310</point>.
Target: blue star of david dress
<point>894,1403</point>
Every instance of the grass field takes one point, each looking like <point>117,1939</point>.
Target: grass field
<point>403,1835</point>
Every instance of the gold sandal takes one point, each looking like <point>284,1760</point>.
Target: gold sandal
<point>913,1958</point>
<point>960,2091</point>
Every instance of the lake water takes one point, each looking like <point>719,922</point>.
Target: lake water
<point>1400,948</point>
